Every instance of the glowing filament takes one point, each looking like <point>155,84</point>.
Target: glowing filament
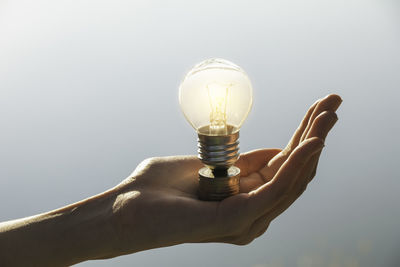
<point>218,97</point>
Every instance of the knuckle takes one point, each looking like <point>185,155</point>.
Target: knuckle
<point>145,166</point>
<point>153,162</point>
<point>243,241</point>
<point>302,189</point>
<point>326,117</point>
<point>286,151</point>
<point>150,161</point>
<point>261,232</point>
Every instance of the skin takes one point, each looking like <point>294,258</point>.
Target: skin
<point>157,205</point>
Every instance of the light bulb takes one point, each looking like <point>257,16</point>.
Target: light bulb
<point>216,96</point>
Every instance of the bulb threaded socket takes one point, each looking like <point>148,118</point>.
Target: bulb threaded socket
<point>219,179</point>
<point>218,152</point>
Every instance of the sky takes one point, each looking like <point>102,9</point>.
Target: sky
<point>89,89</point>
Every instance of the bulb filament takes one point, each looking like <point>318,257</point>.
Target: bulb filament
<point>218,97</point>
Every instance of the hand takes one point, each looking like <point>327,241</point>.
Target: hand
<point>158,206</point>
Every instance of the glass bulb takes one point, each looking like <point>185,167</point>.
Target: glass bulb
<point>216,96</point>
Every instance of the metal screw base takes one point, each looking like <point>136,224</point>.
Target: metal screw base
<point>217,188</point>
<point>218,151</point>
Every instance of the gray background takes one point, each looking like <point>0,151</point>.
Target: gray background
<point>88,89</point>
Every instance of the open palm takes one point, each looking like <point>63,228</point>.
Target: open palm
<point>158,206</point>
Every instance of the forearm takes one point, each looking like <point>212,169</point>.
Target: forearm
<point>65,236</point>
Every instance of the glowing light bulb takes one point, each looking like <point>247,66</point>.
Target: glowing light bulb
<point>216,97</point>
<point>216,93</point>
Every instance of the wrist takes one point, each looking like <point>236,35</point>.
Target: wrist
<point>86,229</point>
<point>72,234</point>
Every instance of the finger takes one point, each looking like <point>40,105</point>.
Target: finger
<point>267,196</point>
<point>252,182</point>
<point>330,102</point>
<point>250,163</point>
<point>253,161</point>
<point>269,170</point>
<point>294,141</point>
<point>322,125</point>
<point>261,224</point>
<point>299,187</point>
<point>263,230</point>
<point>314,172</point>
